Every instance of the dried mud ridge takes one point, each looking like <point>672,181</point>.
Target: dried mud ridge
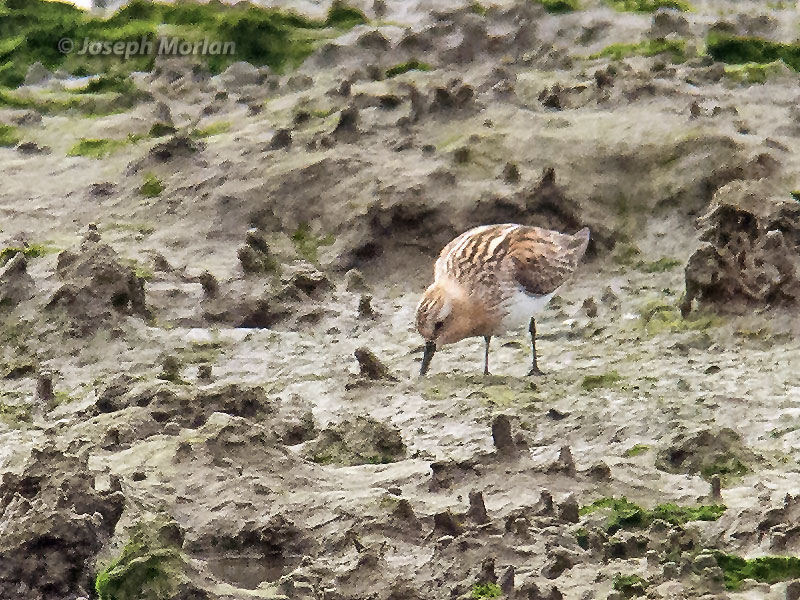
<point>207,287</point>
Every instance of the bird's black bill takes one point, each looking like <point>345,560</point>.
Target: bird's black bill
<point>430,350</point>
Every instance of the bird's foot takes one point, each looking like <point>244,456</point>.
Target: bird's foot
<point>535,372</point>
<point>486,373</point>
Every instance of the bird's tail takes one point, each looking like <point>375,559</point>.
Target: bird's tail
<point>579,243</point>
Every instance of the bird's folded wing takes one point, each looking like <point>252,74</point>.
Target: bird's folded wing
<point>542,264</point>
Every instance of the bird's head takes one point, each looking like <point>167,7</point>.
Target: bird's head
<point>443,317</point>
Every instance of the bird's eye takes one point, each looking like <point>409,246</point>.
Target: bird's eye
<point>438,325</point>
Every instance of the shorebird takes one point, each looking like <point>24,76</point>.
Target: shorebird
<point>493,279</point>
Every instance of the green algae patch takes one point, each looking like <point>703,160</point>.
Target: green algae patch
<point>29,251</point>
<point>604,380</point>
<point>755,73</point>
<point>161,129</point>
<point>50,102</point>
<point>741,50</point>
<point>648,6</point>
<point>727,468</point>
<point>636,450</point>
<point>626,254</point>
<point>624,514</point>
<point>478,9</point>
<point>766,569</point>
<point>675,48</point>
<point>150,565</point>
<point>659,266</point>
<point>630,585</point>
<point>486,590</point>
<point>30,31</point>
<point>107,83</point>
<point>582,537</point>
<point>308,244</point>
<point>559,6</point>
<point>211,130</point>
<point>358,441</point>
<point>708,453</point>
<point>678,515</point>
<point>8,136</point>
<point>95,147</point>
<point>410,65</point>
<point>657,317</point>
<point>15,415</point>
<point>152,186</point>
<point>343,16</point>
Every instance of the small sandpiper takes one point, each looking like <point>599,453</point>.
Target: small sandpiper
<point>493,279</point>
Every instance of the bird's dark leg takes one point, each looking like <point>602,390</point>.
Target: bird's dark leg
<point>534,367</point>
<point>487,339</point>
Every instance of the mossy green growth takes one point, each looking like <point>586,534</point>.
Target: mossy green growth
<point>626,254</point>
<point>728,468</point>
<point>675,48</point>
<point>8,135</point>
<point>625,514</point>
<point>144,273</point>
<point>478,9</point>
<point>766,569</point>
<point>678,515</point>
<point>636,450</point>
<point>15,415</point>
<point>582,537</point>
<point>753,72</point>
<point>152,186</point>
<point>659,266</point>
<point>29,251</point>
<point>109,82</point>
<point>559,6</point>
<point>630,585</point>
<point>202,352</point>
<point>210,130</point>
<point>486,590</point>
<point>30,30</point>
<point>308,244</point>
<point>740,50</point>
<point>95,147</point>
<point>61,397</point>
<point>58,102</point>
<point>658,317</point>
<point>648,6</point>
<point>359,441</point>
<point>409,65</point>
<point>150,565</point>
<point>161,129</point>
<point>343,16</point>
<point>604,380</point>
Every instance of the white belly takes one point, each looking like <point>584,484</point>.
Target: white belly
<point>521,307</point>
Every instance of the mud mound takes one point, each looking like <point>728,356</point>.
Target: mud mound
<point>97,286</point>
<point>358,441</point>
<point>178,152</point>
<point>749,256</point>
<point>275,543</point>
<point>288,296</point>
<point>15,284</point>
<point>708,453</point>
<point>56,519</point>
<point>170,403</point>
